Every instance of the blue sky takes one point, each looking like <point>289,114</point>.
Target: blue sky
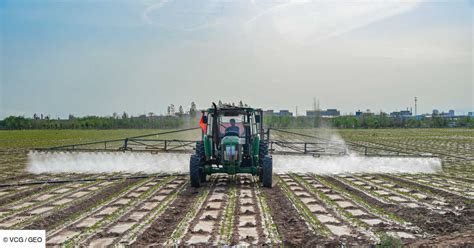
<point>99,57</point>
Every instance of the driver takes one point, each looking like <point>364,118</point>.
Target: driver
<point>233,129</point>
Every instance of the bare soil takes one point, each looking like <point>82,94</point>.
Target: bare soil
<point>452,198</point>
<point>33,191</point>
<point>292,228</point>
<point>162,228</point>
<point>83,206</point>
<point>451,240</point>
<point>429,221</point>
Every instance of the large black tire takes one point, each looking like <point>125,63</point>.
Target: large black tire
<point>195,171</point>
<point>200,149</point>
<point>267,171</point>
<point>262,152</point>
<point>202,156</point>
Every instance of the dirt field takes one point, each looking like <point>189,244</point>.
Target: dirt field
<point>300,210</point>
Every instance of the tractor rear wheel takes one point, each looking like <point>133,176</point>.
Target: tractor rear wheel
<point>202,156</point>
<point>267,171</point>
<point>262,152</point>
<point>195,171</point>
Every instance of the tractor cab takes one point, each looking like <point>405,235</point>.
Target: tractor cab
<point>232,142</point>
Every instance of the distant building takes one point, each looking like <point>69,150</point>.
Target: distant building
<point>324,113</point>
<point>330,113</point>
<point>470,114</point>
<point>401,114</point>
<point>451,113</point>
<point>284,113</point>
<point>268,112</point>
<point>311,113</point>
<point>435,112</point>
<point>359,113</point>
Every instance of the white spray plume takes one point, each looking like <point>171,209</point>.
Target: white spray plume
<point>101,162</point>
<point>107,162</point>
<point>354,164</point>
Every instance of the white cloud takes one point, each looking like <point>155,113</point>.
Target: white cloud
<point>298,20</point>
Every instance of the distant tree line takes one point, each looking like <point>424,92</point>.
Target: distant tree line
<point>184,119</point>
<point>97,122</point>
<point>366,121</point>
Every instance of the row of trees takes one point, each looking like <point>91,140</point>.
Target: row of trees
<point>184,121</point>
<point>96,122</point>
<point>371,121</point>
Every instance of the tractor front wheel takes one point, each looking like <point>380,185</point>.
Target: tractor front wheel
<point>267,171</point>
<point>194,171</point>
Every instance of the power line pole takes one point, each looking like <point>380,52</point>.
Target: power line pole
<point>416,99</point>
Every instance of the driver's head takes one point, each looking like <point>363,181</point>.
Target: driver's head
<point>232,122</point>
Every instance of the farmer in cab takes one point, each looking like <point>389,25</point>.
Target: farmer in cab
<point>233,130</point>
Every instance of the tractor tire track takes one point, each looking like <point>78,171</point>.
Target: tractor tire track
<point>209,225</point>
<point>249,228</point>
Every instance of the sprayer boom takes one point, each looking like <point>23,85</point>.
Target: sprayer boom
<point>301,144</point>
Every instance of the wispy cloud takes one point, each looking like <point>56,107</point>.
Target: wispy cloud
<point>189,16</point>
<point>298,20</point>
<point>294,20</point>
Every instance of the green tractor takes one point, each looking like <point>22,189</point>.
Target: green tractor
<point>232,142</point>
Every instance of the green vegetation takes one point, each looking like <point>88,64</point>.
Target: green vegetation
<point>266,215</point>
<point>367,121</point>
<point>97,122</point>
<point>229,215</point>
<point>307,215</point>
<point>362,202</point>
<point>45,138</point>
<point>387,241</point>
<point>180,229</point>
<point>184,121</point>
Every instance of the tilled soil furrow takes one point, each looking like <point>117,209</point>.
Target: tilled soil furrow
<point>98,216</point>
<point>356,212</point>
<point>446,194</point>
<point>249,227</point>
<point>270,232</point>
<point>339,227</point>
<point>402,195</point>
<point>128,212</point>
<point>450,186</point>
<point>291,226</point>
<point>464,180</point>
<point>34,207</point>
<point>209,225</point>
<point>169,225</point>
<point>21,193</point>
<point>434,201</point>
<point>74,209</point>
<point>165,197</point>
<point>430,222</point>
